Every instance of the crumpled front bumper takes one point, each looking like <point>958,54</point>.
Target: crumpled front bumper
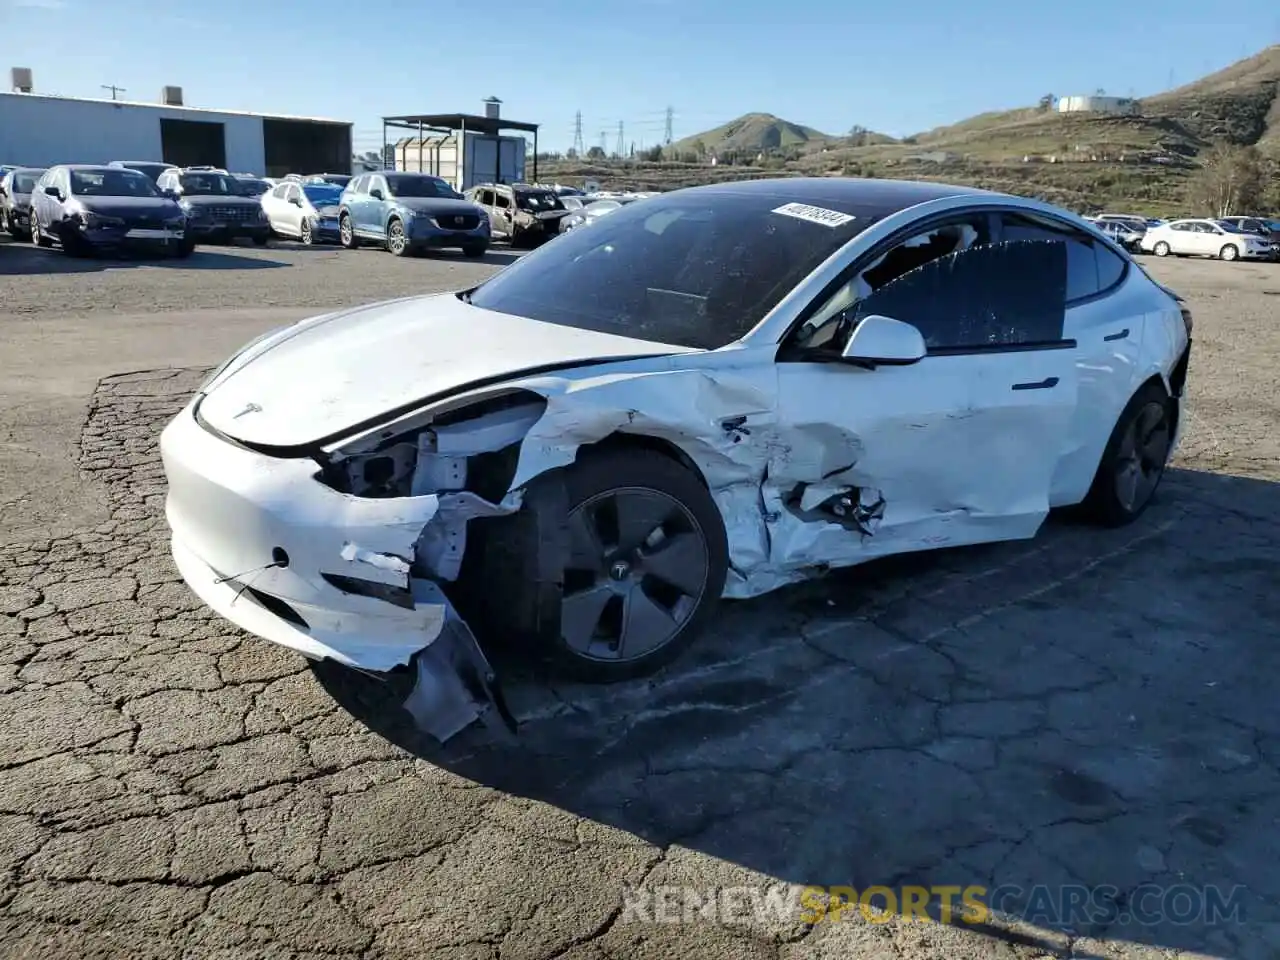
<point>261,541</point>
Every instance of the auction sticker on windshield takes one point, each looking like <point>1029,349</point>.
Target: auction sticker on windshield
<point>803,211</point>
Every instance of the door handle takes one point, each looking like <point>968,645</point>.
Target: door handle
<point>1048,383</point>
<point>1117,336</point>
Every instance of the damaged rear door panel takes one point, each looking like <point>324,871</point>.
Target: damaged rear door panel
<point>958,448</point>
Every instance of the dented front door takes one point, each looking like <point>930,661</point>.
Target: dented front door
<point>958,448</point>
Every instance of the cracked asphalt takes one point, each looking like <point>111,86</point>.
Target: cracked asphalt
<point>1089,710</point>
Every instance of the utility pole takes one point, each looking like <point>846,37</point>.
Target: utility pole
<point>578,148</point>
<point>620,151</point>
<point>666,139</point>
<point>114,90</point>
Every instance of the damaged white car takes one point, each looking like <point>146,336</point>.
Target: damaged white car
<point>710,394</point>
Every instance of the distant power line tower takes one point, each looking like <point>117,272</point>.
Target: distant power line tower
<point>666,136</point>
<point>578,147</point>
<point>604,141</point>
<point>620,150</point>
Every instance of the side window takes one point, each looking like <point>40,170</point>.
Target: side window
<point>1111,267</point>
<point>503,201</point>
<point>1005,294</point>
<point>1082,261</point>
<point>829,326</point>
<point>294,194</point>
<point>485,198</point>
<point>357,186</point>
<point>280,191</point>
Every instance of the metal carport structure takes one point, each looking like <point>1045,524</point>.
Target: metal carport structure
<point>460,124</point>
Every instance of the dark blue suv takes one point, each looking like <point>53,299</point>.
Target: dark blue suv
<point>408,213</point>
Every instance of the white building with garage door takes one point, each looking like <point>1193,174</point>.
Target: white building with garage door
<point>40,130</point>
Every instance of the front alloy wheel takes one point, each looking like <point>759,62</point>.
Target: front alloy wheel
<point>397,241</point>
<point>307,237</point>
<point>346,232</point>
<point>1229,252</point>
<point>637,571</point>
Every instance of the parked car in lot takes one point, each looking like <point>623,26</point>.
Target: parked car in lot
<point>1132,220</point>
<point>152,168</point>
<point>304,211</point>
<point>15,200</point>
<point>711,393</point>
<point>408,213</point>
<point>1206,238</point>
<point>88,208</point>
<point>520,212</point>
<point>336,179</point>
<point>1258,226</point>
<point>216,207</point>
<point>593,211</point>
<point>1122,232</point>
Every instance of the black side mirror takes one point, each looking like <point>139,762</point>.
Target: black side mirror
<point>296,201</point>
<point>376,194</point>
<point>53,192</point>
<point>171,194</point>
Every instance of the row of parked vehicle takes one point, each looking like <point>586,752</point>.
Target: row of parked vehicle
<point>160,207</point>
<point>1227,238</point>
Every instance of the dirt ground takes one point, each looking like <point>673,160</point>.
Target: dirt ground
<point>1088,714</point>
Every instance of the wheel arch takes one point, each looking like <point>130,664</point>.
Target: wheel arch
<point>642,441</point>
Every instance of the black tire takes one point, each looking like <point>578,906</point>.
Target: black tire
<point>510,560</point>
<point>397,238</point>
<point>72,244</point>
<point>1106,503</point>
<point>347,233</point>
<point>184,248</point>
<point>262,241</point>
<point>306,235</point>
<point>1229,252</point>
<point>475,250</point>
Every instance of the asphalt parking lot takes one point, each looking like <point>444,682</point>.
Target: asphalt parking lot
<point>1090,710</point>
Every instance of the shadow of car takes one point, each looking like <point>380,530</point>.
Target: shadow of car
<point>1089,714</point>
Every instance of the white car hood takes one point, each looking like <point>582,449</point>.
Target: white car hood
<point>321,377</point>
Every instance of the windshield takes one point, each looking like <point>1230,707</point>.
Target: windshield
<point>25,182</point>
<point>211,184</point>
<point>112,183</point>
<point>695,270</point>
<point>254,188</point>
<point>322,195</point>
<point>538,200</point>
<point>421,187</point>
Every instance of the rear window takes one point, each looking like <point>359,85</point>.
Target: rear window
<point>693,270</point>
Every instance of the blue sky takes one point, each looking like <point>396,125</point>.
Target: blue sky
<point>898,67</point>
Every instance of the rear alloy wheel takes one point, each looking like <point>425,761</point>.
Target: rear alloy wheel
<point>1135,458</point>
<point>347,233</point>
<point>397,240</point>
<point>1161,249</point>
<point>1229,252</point>
<point>307,236</point>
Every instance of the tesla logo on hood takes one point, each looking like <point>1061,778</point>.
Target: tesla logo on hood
<point>249,408</point>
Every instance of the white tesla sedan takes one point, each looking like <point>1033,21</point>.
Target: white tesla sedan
<point>710,394</point>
